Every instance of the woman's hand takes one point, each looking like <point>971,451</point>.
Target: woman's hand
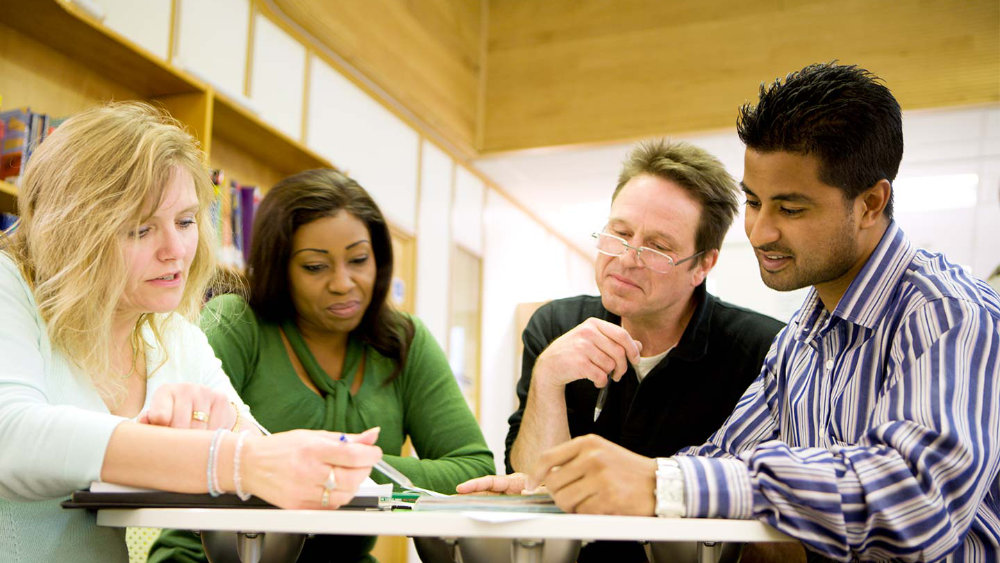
<point>189,405</point>
<point>294,469</point>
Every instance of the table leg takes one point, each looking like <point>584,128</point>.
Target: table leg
<point>709,551</point>
<point>453,550</point>
<point>526,551</point>
<point>248,546</point>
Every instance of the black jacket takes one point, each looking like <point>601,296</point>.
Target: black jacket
<point>683,400</point>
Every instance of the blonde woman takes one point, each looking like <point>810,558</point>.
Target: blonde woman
<point>103,375</point>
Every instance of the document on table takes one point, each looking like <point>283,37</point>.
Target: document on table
<point>489,503</point>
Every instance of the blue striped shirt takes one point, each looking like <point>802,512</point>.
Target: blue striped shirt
<point>873,431</point>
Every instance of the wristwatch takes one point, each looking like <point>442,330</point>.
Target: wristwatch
<point>669,488</point>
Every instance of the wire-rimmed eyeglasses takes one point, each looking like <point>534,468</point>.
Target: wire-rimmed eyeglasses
<point>611,245</point>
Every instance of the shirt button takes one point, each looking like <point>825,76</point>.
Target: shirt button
<point>829,365</point>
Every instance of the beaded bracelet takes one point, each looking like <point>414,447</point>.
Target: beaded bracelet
<point>213,450</point>
<point>237,478</point>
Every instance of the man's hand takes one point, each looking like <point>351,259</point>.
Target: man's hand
<point>511,484</point>
<point>594,350</point>
<point>592,475</point>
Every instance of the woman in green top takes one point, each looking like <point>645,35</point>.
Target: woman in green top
<point>319,347</point>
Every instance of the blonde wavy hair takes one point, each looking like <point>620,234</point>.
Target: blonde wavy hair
<point>94,179</point>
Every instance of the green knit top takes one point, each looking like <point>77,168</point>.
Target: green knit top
<point>422,402</point>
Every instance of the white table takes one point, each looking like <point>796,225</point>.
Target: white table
<point>529,528</point>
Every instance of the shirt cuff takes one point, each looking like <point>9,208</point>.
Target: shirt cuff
<point>716,487</point>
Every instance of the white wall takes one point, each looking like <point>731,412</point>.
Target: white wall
<point>434,241</point>
<point>467,213</point>
<point>366,140</point>
<point>146,23</point>
<point>277,77</point>
<point>522,262</point>
<point>211,42</point>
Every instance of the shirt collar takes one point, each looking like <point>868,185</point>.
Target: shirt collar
<point>866,299</point>
<point>694,342</point>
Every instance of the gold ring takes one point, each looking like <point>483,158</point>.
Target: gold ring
<point>331,481</point>
<point>200,416</point>
<point>325,499</point>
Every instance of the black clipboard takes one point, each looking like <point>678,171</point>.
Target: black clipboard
<point>162,499</point>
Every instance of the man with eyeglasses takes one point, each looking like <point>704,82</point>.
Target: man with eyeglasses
<point>654,363</point>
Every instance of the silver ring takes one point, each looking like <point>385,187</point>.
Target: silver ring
<point>331,481</point>
<point>324,501</point>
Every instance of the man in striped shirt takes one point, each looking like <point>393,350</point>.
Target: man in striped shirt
<point>873,430</point>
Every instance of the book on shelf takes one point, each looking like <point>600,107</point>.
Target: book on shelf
<point>37,128</point>
<point>222,219</point>
<point>249,201</point>
<point>236,223</point>
<point>12,153</point>
<point>215,209</point>
<point>243,201</point>
<point>24,130</point>
<point>232,215</point>
<point>7,222</point>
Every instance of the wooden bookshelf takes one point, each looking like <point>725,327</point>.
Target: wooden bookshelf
<point>86,56</point>
<point>238,126</point>
<point>65,28</point>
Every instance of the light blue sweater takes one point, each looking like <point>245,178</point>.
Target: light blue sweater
<point>54,429</point>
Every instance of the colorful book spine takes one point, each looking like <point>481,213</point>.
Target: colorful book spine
<point>24,132</point>
<point>36,129</point>
<point>215,209</point>
<point>8,221</point>
<point>236,218</point>
<point>249,200</point>
<point>17,123</point>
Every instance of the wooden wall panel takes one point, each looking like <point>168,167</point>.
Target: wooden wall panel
<point>567,72</point>
<point>424,54</point>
